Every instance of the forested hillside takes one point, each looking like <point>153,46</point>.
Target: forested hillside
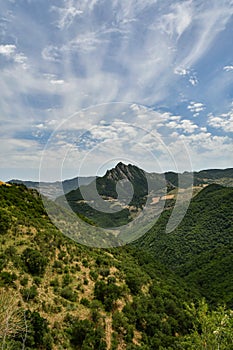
<point>57,294</point>
<point>201,247</point>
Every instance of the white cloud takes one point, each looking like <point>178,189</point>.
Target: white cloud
<point>186,125</point>
<point>196,108</point>
<point>7,50</point>
<point>193,81</point>
<point>10,52</point>
<point>67,14</point>
<point>51,53</point>
<point>178,20</point>
<point>20,58</point>
<point>57,81</point>
<point>86,42</point>
<point>181,71</point>
<point>228,68</point>
<point>223,121</point>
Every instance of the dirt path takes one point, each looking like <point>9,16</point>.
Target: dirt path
<point>108,330</point>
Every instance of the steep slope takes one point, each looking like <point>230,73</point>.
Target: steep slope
<point>201,248</point>
<point>73,297</point>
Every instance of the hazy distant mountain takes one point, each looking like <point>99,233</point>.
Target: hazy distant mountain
<point>106,185</point>
<point>53,190</point>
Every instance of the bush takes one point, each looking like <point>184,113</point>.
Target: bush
<point>67,279</point>
<point>54,283</point>
<point>134,282</point>
<point>24,281</point>
<point>107,293</point>
<point>34,261</point>
<point>85,302</point>
<point>93,275</point>
<point>67,293</point>
<point>85,263</point>
<point>38,334</point>
<point>7,278</point>
<point>37,280</point>
<point>5,222</point>
<point>83,335</point>
<point>29,293</point>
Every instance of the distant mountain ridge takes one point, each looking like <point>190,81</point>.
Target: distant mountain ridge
<point>55,189</point>
<point>131,173</point>
<point>114,189</point>
<point>147,187</point>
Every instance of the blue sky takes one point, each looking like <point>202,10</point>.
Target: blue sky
<point>86,83</point>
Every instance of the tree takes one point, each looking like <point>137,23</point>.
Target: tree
<point>211,329</point>
<point>11,317</point>
<point>5,221</point>
<point>34,261</point>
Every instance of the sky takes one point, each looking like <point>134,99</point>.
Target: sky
<point>87,83</point>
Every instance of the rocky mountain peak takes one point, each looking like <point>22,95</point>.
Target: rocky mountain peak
<point>122,171</point>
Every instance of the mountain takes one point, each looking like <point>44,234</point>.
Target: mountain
<point>140,178</point>
<point>57,294</point>
<point>219,176</point>
<point>200,249</point>
<point>53,190</point>
<point>115,198</point>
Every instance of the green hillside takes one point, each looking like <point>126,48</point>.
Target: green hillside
<point>57,294</point>
<point>200,249</point>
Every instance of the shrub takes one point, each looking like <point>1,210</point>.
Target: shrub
<point>34,261</point>
<point>93,275</point>
<point>85,302</point>
<point>24,281</point>
<point>107,293</point>
<point>7,278</point>
<point>29,293</point>
<point>37,280</point>
<point>83,335</point>
<point>85,263</point>
<point>67,293</point>
<point>5,222</point>
<point>67,279</point>
<point>54,283</point>
<point>85,281</point>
